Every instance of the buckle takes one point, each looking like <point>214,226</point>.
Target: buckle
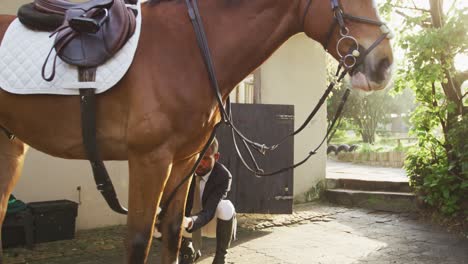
<point>104,187</point>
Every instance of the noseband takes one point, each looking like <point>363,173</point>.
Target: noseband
<point>355,57</point>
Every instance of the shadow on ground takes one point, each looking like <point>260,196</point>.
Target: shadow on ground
<point>243,236</point>
<point>103,246</point>
<point>407,238</point>
<point>315,233</point>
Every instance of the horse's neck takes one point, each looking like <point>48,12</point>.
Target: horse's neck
<point>241,34</point>
<point>248,33</point>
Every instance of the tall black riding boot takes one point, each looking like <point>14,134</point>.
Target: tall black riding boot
<point>224,235</point>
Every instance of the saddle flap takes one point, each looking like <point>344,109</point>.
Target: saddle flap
<point>93,49</point>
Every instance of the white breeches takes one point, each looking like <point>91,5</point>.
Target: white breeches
<point>225,211</point>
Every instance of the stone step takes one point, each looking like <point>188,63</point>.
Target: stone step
<point>377,200</point>
<point>363,185</point>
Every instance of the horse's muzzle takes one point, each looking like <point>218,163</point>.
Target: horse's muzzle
<point>373,74</point>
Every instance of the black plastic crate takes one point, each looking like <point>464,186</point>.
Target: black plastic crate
<point>54,220</point>
<point>17,230</point>
<point>13,236</point>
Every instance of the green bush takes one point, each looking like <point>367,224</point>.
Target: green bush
<point>340,135</point>
<point>379,148</point>
<point>442,184</point>
<point>365,148</point>
<point>402,148</point>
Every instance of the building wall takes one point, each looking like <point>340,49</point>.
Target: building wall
<point>10,6</point>
<point>47,178</point>
<point>296,75</point>
<point>293,75</point>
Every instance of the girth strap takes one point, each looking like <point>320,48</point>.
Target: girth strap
<point>88,129</point>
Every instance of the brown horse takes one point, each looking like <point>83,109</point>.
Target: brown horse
<point>159,116</point>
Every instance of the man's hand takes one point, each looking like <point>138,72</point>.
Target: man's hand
<point>188,223</point>
<point>156,233</point>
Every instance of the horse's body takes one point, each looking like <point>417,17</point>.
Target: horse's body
<point>159,116</point>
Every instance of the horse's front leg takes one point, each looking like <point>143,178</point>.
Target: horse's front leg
<point>173,210</point>
<point>149,171</point>
<point>171,220</point>
<point>12,153</point>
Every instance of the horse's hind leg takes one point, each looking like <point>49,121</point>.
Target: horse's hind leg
<point>148,174</point>
<point>171,222</point>
<point>12,154</point>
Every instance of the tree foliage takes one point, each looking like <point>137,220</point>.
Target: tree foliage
<point>430,39</point>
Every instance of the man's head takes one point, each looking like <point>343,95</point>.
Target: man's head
<point>209,159</point>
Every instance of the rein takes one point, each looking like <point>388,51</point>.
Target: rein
<point>347,64</point>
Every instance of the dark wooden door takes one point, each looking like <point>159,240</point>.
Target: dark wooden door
<point>264,124</point>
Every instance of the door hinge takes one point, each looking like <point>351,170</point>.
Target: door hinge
<point>285,117</point>
<point>279,197</point>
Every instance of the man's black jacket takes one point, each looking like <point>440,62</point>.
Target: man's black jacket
<point>216,189</point>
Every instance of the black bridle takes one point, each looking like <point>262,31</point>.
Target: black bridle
<point>355,56</point>
<point>347,64</point>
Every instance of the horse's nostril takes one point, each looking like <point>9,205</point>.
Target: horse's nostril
<point>381,72</point>
<point>384,64</point>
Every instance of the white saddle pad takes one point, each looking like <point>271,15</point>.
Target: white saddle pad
<point>23,52</point>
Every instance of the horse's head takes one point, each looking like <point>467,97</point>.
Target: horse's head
<point>351,31</point>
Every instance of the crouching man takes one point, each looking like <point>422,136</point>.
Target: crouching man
<point>207,212</point>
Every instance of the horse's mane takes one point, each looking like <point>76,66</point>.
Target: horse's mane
<point>151,2</point>
<point>155,2</point>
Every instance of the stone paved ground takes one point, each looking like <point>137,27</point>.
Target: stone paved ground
<point>316,233</point>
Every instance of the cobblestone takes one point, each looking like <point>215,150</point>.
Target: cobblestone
<point>315,233</point>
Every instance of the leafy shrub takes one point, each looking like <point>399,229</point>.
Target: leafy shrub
<point>442,184</point>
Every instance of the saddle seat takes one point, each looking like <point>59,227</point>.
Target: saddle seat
<point>61,6</point>
<point>87,34</point>
<point>29,16</point>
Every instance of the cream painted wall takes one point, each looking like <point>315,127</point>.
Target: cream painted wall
<point>295,74</point>
<point>10,6</point>
<point>47,178</point>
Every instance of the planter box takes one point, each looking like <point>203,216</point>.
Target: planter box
<point>384,159</point>
<point>54,220</point>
